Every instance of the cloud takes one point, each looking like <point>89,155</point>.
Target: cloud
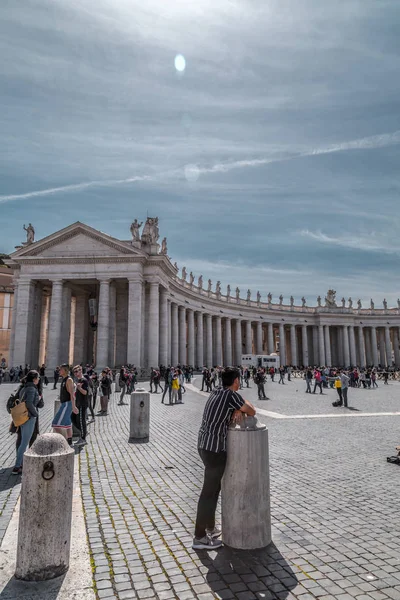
<point>368,244</point>
<point>192,172</point>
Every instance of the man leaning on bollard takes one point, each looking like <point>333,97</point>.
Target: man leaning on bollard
<point>223,405</point>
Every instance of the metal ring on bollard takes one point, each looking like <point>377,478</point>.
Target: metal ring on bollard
<point>141,404</point>
<point>48,470</point>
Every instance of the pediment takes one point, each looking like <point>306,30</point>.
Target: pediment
<point>78,241</point>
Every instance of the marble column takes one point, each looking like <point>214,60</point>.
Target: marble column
<point>293,345</point>
<point>382,349</point>
<point>11,361</point>
<point>271,343</point>
<point>169,360</point>
<point>182,336</point>
<point>175,334</point>
<point>304,343</point>
<point>259,338</point>
<point>328,346</point>
<point>66,324</point>
<point>190,331</point>
<point>361,346</point>
<point>228,343</point>
<point>53,351</point>
<point>238,342</point>
<point>163,327</point>
<point>249,342</point>
<point>368,347</point>
<point>282,344</point>
<point>353,353</point>
<point>388,346</point>
<point>218,340</point>
<point>103,324</point>
<point>315,344</point>
<point>396,346</point>
<point>374,345</point>
<point>36,318</point>
<point>321,345</point>
<point>81,310</point>
<point>154,325</point>
<point>200,340</point>
<point>346,346</point>
<point>113,325</point>
<point>134,337</point>
<point>337,346</point>
<point>44,328</point>
<point>209,352</point>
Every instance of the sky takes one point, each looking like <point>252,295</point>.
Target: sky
<point>271,159</point>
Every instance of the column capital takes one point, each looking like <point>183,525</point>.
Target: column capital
<point>104,281</point>
<point>136,279</point>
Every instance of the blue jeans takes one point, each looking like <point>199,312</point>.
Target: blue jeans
<point>26,434</point>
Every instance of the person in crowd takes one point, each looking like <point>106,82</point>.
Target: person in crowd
<point>309,376</point>
<point>105,392</point>
<point>157,381</point>
<point>167,384</point>
<point>317,381</point>
<point>30,395</point>
<point>182,389</point>
<point>373,378</point>
<point>259,380</point>
<point>95,384</point>
<point>89,394</point>
<point>174,388</point>
<point>345,380</point>
<point>56,376</point>
<point>281,375</point>
<point>337,383</point>
<point>152,375</point>
<point>272,373</point>
<point>223,405</point>
<point>122,384</point>
<point>246,376</point>
<point>204,378</point>
<point>81,401</point>
<point>289,373</point>
<point>62,422</point>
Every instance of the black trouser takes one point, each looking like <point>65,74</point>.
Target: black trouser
<point>344,393</point>
<point>308,390</point>
<point>261,391</point>
<point>214,463</point>
<point>55,383</point>
<point>123,390</point>
<point>203,382</point>
<point>339,391</point>
<point>79,420</point>
<point>167,388</point>
<point>319,384</point>
<point>90,403</point>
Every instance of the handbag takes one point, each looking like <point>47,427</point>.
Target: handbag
<point>19,413</point>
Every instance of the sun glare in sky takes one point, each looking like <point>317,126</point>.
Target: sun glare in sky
<point>180,63</point>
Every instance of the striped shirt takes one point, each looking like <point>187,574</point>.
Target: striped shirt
<point>217,414</point>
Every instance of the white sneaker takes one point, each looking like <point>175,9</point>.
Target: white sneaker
<point>206,543</point>
<point>81,442</point>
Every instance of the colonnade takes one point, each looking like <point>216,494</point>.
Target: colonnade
<point>140,321</point>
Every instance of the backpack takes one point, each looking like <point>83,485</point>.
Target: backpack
<point>11,403</point>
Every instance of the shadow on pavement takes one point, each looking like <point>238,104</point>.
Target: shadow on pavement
<point>8,481</point>
<point>32,590</point>
<point>264,571</point>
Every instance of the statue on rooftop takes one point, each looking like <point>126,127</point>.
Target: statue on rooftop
<point>343,302</point>
<point>184,273</point>
<point>30,234</point>
<point>359,305</point>
<point>350,303</point>
<point>269,297</point>
<point>228,291</point>
<point>385,303</point>
<point>330,299</point>
<point>303,302</point>
<point>191,278</point>
<point>372,304</point>
<point>280,300</point>
<point>319,301</point>
<point>291,301</point>
<point>200,282</point>
<point>164,247</point>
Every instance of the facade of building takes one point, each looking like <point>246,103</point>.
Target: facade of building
<point>82,296</point>
<point>6,307</point>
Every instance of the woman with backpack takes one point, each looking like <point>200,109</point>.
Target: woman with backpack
<point>30,395</point>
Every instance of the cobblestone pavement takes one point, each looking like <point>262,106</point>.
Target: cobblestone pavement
<point>334,501</point>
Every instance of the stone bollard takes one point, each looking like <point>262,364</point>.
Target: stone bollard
<point>44,532</point>
<point>245,495</point>
<point>140,416</point>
